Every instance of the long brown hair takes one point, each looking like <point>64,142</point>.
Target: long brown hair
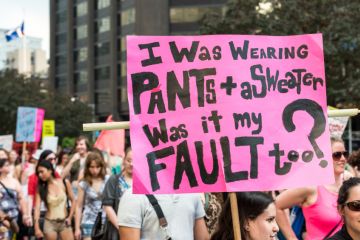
<point>99,160</point>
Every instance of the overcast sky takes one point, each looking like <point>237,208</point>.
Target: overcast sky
<point>35,14</point>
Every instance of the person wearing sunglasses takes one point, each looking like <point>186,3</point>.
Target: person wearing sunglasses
<point>318,203</point>
<point>349,209</point>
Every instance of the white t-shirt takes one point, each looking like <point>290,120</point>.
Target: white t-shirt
<point>180,210</point>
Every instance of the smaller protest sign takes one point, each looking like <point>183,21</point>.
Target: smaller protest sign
<point>48,129</point>
<point>50,143</point>
<point>6,142</point>
<point>337,125</point>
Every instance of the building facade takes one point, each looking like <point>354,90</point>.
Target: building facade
<point>30,62</point>
<point>29,43</point>
<point>88,43</point>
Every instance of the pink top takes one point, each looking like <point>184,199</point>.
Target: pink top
<point>322,216</point>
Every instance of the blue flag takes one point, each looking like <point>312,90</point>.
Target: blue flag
<point>15,33</point>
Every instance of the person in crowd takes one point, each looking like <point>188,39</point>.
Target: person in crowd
<point>318,203</point>
<point>113,190</point>
<point>63,159</point>
<point>354,162</point>
<point>184,213</point>
<point>257,214</point>
<point>77,162</point>
<point>12,199</point>
<point>13,157</point>
<point>7,155</point>
<point>90,195</point>
<point>26,166</point>
<point>349,209</point>
<point>56,194</point>
<point>45,155</point>
<point>4,154</point>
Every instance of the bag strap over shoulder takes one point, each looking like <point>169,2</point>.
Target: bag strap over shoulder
<point>162,220</point>
<point>7,191</point>
<point>158,210</point>
<point>332,230</point>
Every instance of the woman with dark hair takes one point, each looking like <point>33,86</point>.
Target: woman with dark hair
<point>349,209</point>
<point>49,156</point>
<point>257,214</point>
<point>90,195</point>
<point>55,193</point>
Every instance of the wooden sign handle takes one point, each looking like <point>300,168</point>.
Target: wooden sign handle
<point>235,216</point>
<point>23,160</point>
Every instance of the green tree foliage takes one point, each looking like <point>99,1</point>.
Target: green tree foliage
<point>337,20</point>
<point>16,90</point>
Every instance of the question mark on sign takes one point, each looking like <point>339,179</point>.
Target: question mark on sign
<point>317,113</point>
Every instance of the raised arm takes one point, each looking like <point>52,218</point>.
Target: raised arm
<point>66,171</point>
<point>286,200</point>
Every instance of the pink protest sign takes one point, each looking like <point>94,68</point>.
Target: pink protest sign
<point>40,113</point>
<point>227,113</point>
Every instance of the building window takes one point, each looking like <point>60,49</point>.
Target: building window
<point>60,60</point>
<point>81,9</point>
<point>102,73</point>
<point>102,25</point>
<point>190,14</point>
<point>123,95</point>
<point>81,55</point>
<point>102,49</point>
<point>128,16</point>
<point>81,32</point>
<point>81,78</point>
<point>60,82</point>
<point>123,69</point>
<point>60,38</point>
<point>100,4</point>
<point>61,17</point>
<point>102,98</point>
<point>123,44</point>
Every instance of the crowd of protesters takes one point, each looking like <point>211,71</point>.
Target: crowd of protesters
<point>65,195</point>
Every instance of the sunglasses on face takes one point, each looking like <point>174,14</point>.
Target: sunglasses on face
<point>353,206</point>
<point>337,155</point>
<point>51,159</point>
